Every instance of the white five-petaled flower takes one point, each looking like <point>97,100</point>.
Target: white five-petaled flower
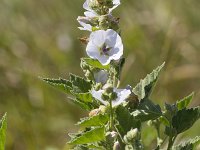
<point>92,13</point>
<point>101,76</point>
<point>122,95</point>
<point>105,46</point>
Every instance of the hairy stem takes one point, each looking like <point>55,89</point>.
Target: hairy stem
<point>111,116</point>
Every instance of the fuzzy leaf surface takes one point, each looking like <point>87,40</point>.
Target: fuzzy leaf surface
<point>94,135</point>
<point>188,145</point>
<point>79,84</point>
<point>84,97</point>
<point>3,127</point>
<point>126,120</point>
<point>144,87</point>
<point>98,120</point>
<point>147,110</point>
<point>94,63</point>
<point>84,105</point>
<point>183,103</point>
<point>60,84</point>
<point>184,119</point>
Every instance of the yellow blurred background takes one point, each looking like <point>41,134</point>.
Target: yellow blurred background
<point>40,38</point>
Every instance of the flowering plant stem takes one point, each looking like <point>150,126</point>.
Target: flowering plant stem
<point>111,117</point>
<point>116,115</point>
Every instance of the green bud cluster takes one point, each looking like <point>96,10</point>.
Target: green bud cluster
<point>131,135</point>
<point>109,93</point>
<point>104,20</point>
<point>101,7</point>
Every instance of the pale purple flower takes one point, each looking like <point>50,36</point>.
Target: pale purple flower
<point>101,76</point>
<point>105,46</point>
<point>85,23</point>
<point>122,95</point>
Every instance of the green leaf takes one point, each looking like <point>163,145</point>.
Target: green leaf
<point>98,120</point>
<point>147,110</point>
<point>88,147</point>
<point>183,103</point>
<point>94,63</point>
<point>61,84</point>
<point>184,119</point>
<point>84,105</point>
<point>94,135</point>
<point>144,87</point>
<point>118,68</point>
<point>3,127</point>
<point>79,84</point>
<point>84,97</point>
<point>188,145</point>
<point>126,120</point>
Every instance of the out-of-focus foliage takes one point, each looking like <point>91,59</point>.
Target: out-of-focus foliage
<point>39,38</point>
<point>3,127</point>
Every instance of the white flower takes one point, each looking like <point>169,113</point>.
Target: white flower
<point>105,46</point>
<point>85,23</point>
<point>101,76</point>
<point>92,13</point>
<point>122,95</point>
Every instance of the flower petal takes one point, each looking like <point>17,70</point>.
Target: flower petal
<point>98,37</point>
<point>90,14</point>
<point>122,95</point>
<point>97,95</point>
<point>92,50</point>
<point>86,5</point>
<point>116,3</point>
<point>101,76</point>
<point>104,59</point>
<point>84,22</point>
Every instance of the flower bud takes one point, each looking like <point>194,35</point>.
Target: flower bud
<point>94,4</point>
<point>111,136</point>
<point>93,112</point>
<point>113,95</point>
<point>102,109</point>
<point>105,96</point>
<point>149,123</point>
<point>104,22</point>
<point>88,74</point>
<point>131,135</point>
<point>108,88</point>
<point>116,146</point>
<point>97,86</point>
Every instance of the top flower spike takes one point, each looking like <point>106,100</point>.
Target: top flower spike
<point>93,9</point>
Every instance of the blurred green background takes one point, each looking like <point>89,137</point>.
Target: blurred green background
<point>39,38</point>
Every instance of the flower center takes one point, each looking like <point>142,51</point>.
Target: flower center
<point>104,50</point>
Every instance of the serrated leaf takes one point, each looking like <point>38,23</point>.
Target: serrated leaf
<point>188,145</point>
<point>3,127</point>
<point>84,97</point>
<point>98,120</point>
<point>88,147</point>
<point>183,103</point>
<point>144,87</point>
<point>79,84</point>
<point>94,135</point>
<point>184,119</point>
<point>94,63</point>
<point>61,84</point>
<point>144,115</point>
<point>126,120</point>
<point>147,110</point>
<point>84,105</point>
